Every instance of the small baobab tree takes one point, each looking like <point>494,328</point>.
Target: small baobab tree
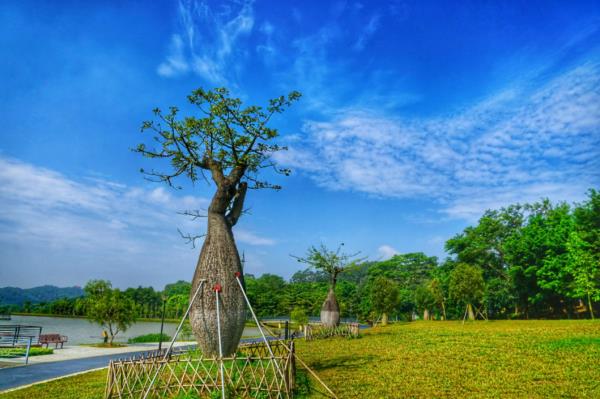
<point>424,300</point>
<point>385,296</point>
<point>332,263</point>
<point>228,144</point>
<point>466,286</point>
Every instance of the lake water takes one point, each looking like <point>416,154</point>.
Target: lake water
<point>82,331</point>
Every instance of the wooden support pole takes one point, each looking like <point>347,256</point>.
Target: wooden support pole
<point>217,290</point>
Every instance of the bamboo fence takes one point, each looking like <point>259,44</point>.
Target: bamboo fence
<point>315,331</point>
<point>250,373</point>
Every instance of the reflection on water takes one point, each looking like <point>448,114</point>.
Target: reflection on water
<point>82,331</point>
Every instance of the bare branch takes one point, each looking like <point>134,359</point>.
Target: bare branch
<point>190,238</point>
<point>194,214</point>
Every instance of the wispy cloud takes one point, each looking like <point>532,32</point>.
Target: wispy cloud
<point>519,145</point>
<point>267,48</point>
<point>329,80</point>
<point>176,62</point>
<point>366,33</point>
<point>49,219</point>
<point>250,238</point>
<point>207,40</point>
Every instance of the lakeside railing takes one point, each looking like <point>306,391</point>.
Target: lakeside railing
<point>12,335</point>
<point>16,335</point>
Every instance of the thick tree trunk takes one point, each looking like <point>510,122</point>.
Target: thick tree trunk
<point>590,306</point>
<point>470,312</point>
<point>218,262</point>
<point>384,319</point>
<point>426,314</point>
<point>112,334</point>
<point>330,312</point>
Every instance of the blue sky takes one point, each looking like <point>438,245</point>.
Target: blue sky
<point>415,118</point>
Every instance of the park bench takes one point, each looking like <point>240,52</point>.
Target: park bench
<point>55,339</point>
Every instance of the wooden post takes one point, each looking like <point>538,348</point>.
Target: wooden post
<point>109,381</point>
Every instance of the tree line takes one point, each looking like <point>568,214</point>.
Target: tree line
<point>539,260</point>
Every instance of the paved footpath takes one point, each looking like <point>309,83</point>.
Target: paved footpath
<point>13,377</point>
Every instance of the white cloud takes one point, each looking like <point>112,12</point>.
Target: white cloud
<point>517,146</point>
<point>207,40</point>
<point>386,251</point>
<point>250,238</point>
<point>93,228</point>
<point>176,63</point>
<point>46,206</point>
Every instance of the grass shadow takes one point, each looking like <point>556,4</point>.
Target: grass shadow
<point>346,362</point>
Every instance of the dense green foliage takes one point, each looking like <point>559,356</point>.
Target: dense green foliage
<point>109,307</point>
<point>532,260</point>
<point>537,260</point>
<point>299,316</point>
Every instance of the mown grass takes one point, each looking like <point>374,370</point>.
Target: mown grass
<point>18,352</point>
<point>496,359</point>
<point>89,386</point>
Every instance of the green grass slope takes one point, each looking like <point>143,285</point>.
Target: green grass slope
<point>497,359</point>
<point>508,359</point>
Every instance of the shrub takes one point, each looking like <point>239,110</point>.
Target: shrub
<point>299,316</point>
<point>148,338</point>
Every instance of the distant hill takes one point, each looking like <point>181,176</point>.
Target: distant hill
<point>45,293</point>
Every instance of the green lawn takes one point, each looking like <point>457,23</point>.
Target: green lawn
<point>82,386</point>
<point>19,352</point>
<point>497,359</point>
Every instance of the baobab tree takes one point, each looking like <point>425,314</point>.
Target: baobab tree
<point>332,263</point>
<point>228,144</point>
<point>466,286</point>
<point>385,297</point>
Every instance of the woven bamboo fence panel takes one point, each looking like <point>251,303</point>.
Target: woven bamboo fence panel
<point>251,373</point>
<point>315,331</point>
